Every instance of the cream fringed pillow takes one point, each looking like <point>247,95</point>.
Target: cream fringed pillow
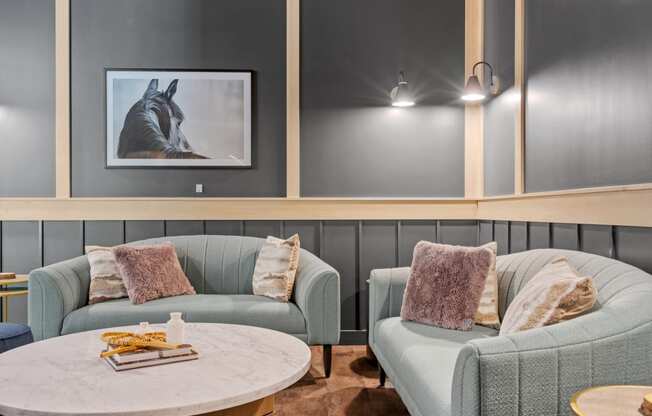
<point>556,293</point>
<point>106,280</point>
<point>487,313</point>
<point>276,268</point>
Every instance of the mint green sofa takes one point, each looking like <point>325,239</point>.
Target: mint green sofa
<point>478,373</point>
<point>220,269</point>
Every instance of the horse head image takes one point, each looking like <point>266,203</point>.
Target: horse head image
<point>152,127</point>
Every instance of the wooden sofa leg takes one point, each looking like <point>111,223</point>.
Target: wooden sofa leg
<point>382,377</point>
<point>328,357</point>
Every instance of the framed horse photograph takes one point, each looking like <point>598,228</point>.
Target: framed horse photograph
<point>171,118</point>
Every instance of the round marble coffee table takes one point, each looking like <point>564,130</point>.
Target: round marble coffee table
<point>238,372</point>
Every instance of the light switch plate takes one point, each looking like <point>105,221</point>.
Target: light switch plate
<point>199,188</point>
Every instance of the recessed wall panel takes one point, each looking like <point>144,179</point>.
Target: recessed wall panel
<point>62,240</point>
<point>224,227</point>
<point>143,230</point>
<point>539,235</point>
<point>104,233</point>
<point>588,93</point>
<point>500,111</point>
<point>353,143</point>
<point>518,238</point>
<point>501,235</point>
<point>486,232</point>
<point>411,232</point>
<point>340,250</point>
<point>262,229</point>
<point>458,232</point>
<point>597,239</point>
<point>173,34</point>
<point>309,233</point>
<point>27,107</point>
<point>634,245</point>
<point>565,236</point>
<point>378,250</point>
<point>188,227</point>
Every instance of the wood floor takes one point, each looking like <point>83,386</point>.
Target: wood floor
<point>351,390</point>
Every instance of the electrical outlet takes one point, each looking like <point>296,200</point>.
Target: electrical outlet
<point>199,188</point>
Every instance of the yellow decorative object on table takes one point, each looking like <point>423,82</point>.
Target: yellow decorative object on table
<point>120,342</point>
<point>129,350</point>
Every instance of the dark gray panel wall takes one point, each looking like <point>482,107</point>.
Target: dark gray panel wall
<point>172,34</point>
<point>500,112</point>
<point>410,233</point>
<point>62,240</point>
<point>458,232</point>
<point>309,233</point>
<point>352,142</point>
<point>184,227</point>
<point>354,248</point>
<point>142,230</point>
<point>589,98</point>
<point>27,98</point>
<point>340,250</point>
<point>104,233</point>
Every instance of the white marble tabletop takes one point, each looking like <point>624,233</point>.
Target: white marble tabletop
<point>65,376</point>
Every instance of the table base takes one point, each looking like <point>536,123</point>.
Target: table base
<point>262,407</point>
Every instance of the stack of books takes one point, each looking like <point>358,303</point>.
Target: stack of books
<point>150,357</point>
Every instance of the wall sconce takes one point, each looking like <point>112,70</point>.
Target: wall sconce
<point>474,91</point>
<point>401,96</point>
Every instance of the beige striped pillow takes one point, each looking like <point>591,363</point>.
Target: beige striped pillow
<point>276,268</point>
<point>106,280</point>
<point>556,293</point>
<point>487,313</point>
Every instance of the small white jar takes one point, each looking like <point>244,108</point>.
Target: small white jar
<point>175,329</point>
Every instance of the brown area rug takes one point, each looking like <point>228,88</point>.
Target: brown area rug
<point>351,390</point>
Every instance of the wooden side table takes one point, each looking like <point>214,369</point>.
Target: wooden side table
<point>6,292</point>
<point>609,400</point>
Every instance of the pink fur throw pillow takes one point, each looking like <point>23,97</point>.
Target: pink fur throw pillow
<point>151,272</point>
<point>445,285</point>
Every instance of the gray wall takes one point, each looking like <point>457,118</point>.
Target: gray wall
<point>589,94</point>
<point>500,111</point>
<point>353,247</point>
<point>172,34</point>
<point>352,142</point>
<point>27,98</point>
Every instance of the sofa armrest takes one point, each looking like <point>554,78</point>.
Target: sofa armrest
<point>532,372</point>
<point>317,294</point>
<point>54,292</point>
<point>386,287</point>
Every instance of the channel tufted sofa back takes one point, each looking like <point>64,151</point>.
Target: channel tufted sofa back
<point>613,279</point>
<point>217,264</point>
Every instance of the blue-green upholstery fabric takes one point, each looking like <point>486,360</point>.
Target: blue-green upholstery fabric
<point>532,372</point>
<point>228,309</point>
<point>14,336</point>
<point>425,356</point>
<point>220,268</point>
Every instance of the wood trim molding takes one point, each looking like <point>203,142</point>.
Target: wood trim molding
<point>473,114</point>
<point>607,206</point>
<point>62,98</point>
<point>16,209</point>
<point>293,53</point>
<point>519,83</point>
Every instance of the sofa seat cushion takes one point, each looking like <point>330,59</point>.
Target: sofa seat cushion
<point>422,358</point>
<point>229,309</point>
